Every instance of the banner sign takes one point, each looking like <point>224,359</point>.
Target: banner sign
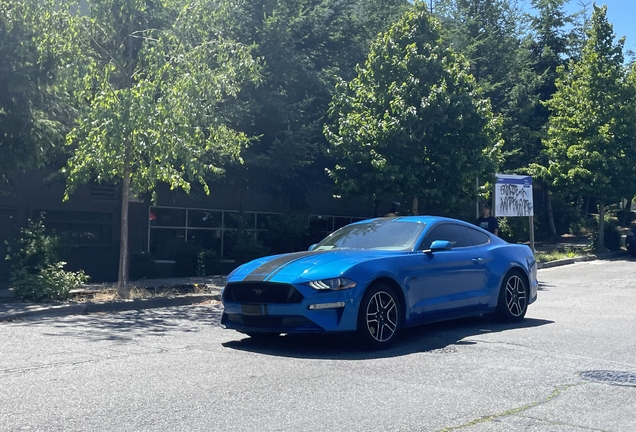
<point>513,195</point>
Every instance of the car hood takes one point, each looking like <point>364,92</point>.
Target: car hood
<point>304,266</point>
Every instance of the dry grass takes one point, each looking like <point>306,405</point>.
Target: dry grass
<point>109,292</point>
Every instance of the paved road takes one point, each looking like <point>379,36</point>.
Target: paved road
<point>175,369</point>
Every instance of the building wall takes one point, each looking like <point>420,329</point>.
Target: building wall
<point>91,219</point>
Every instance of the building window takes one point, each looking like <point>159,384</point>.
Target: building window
<point>170,227</point>
<point>81,228</point>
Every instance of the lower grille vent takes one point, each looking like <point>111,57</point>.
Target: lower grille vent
<point>261,292</point>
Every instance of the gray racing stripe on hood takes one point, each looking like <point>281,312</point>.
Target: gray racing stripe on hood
<point>261,272</point>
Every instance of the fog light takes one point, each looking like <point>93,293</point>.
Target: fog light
<point>326,305</point>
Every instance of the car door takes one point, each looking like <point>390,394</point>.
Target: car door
<point>449,280</point>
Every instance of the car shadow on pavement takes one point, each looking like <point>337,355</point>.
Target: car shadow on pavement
<point>129,325</point>
<point>439,338</point>
<point>545,286</point>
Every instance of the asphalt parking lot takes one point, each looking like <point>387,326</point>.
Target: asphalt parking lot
<point>570,366</point>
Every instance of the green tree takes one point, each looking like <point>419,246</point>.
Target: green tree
<point>591,126</point>
<point>489,34</point>
<point>304,45</point>
<point>547,47</point>
<point>154,77</point>
<point>34,109</point>
<point>412,121</point>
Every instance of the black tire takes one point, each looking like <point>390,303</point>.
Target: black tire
<point>380,317</point>
<point>513,298</point>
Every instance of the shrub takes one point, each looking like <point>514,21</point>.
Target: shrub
<point>37,271</point>
<point>186,258</point>
<point>286,233</point>
<point>612,233</point>
<point>193,260</point>
<point>514,229</point>
<point>248,248</point>
<point>51,283</point>
<point>143,266</point>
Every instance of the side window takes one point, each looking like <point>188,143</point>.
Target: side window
<point>479,238</point>
<point>457,235</point>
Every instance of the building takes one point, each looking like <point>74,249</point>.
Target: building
<point>90,220</point>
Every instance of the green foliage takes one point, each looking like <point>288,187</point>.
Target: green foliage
<point>151,98</point>
<point>412,122</point>
<point>143,266</point>
<point>286,233</point>
<point>37,272</point>
<point>248,248</point>
<point>590,136</point>
<point>304,45</point>
<point>191,259</point>
<point>34,108</point>
<point>548,47</point>
<point>514,229</point>
<point>50,283</point>
<point>612,233</point>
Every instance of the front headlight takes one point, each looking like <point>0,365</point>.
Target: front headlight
<point>332,284</point>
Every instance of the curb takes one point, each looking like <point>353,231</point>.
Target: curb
<point>566,261</point>
<point>115,306</point>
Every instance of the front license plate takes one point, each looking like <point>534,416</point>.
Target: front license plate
<point>251,309</point>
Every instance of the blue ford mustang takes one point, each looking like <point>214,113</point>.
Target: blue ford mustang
<point>377,276</point>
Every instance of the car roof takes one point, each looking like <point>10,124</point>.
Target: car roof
<point>416,219</point>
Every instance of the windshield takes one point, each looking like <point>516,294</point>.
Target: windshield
<point>379,234</point>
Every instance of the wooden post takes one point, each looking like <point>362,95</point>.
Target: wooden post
<point>532,233</point>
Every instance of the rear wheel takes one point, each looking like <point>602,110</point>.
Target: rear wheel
<point>513,298</point>
<point>379,317</point>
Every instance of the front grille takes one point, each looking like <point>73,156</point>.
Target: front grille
<point>291,322</point>
<point>261,292</point>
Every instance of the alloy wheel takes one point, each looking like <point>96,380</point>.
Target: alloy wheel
<point>515,295</point>
<point>382,316</point>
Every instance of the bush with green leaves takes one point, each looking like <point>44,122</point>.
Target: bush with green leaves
<point>286,233</point>
<point>143,266</point>
<point>248,248</point>
<point>37,271</point>
<point>612,233</point>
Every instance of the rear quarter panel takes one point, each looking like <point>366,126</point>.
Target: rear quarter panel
<point>507,257</point>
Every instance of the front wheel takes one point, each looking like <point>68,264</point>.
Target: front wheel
<point>513,298</point>
<point>379,317</point>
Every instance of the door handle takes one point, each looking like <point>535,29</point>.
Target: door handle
<point>477,260</point>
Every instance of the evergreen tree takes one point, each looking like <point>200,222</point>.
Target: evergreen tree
<point>412,122</point>
<point>592,124</point>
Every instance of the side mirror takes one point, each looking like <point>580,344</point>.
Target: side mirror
<point>313,246</point>
<point>439,245</point>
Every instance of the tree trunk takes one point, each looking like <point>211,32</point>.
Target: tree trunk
<point>414,208</point>
<point>601,225</point>
<point>548,201</point>
<point>122,280</point>
<point>579,206</point>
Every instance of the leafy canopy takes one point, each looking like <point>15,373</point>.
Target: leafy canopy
<point>34,109</point>
<point>591,127</point>
<point>151,96</point>
<point>412,122</point>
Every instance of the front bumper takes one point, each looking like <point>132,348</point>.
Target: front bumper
<point>290,313</point>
